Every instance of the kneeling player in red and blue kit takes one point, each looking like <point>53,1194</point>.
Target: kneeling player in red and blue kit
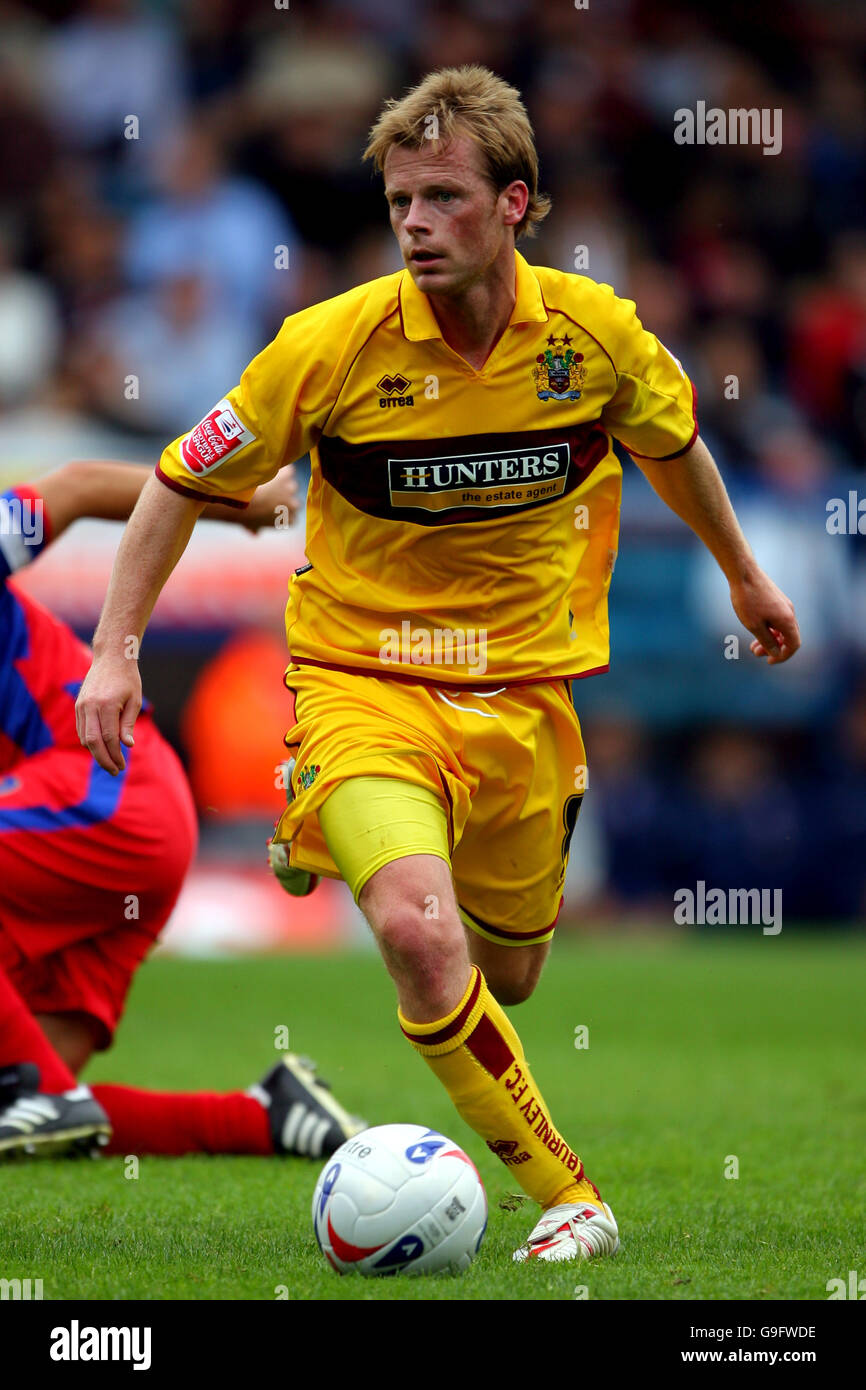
<point>90,868</point>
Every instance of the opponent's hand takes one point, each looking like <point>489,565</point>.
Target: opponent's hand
<point>276,502</point>
<point>107,707</point>
<point>769,615</point>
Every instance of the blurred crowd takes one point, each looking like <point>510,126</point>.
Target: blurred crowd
<point>153,156</point>
<point>176,176</point>
<point>728,807</point>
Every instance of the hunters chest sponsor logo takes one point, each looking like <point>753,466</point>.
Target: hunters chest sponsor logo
<point>480,480</point>
<point>219,434</point>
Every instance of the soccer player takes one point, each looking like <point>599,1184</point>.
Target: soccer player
<point>461,532</point>
<point>90,868</point>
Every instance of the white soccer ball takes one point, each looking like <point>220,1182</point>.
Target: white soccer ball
<point>399,1199</point>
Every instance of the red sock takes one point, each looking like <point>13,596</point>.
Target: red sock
<point>173,1122</point>
<point>22,1040</point>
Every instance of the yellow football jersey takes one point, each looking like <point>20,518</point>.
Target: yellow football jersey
<point>461,525</point>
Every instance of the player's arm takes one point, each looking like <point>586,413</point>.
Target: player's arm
<point>109,701</point>
<point>652,412</point>
<point>109,490</point>
<point>692,486</point>
<point>243,443</point>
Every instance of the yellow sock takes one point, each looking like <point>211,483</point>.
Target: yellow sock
<point>479,1059</point>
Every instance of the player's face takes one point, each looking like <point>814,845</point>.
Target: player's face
<point>450,222</point>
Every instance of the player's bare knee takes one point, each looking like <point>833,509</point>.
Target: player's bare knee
<point>407,935</point>
<point>424,953</point>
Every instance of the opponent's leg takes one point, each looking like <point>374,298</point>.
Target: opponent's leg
<point>71,953</point>
<point>42,1110</point>
<point>22,1040</point>
<point>74,1037</point>
<point>46,1112</point>
<point>77,850</point>
<point>290,1111</point>
<point>174,1122</point>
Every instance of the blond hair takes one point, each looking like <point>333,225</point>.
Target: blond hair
<point>472,101</point>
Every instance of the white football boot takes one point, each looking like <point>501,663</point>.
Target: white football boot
<point>573,1231</point>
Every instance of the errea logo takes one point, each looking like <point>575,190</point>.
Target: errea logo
<point>394,389</point>
<point>506,1149</point>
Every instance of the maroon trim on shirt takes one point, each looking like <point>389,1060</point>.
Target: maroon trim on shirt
<point>521,936</point>
<point>437,684</point>
<point>199,496</point>
<point>665,457</point>
<point>447,794</point>
<point>577,323</point>
<point>348,371</point>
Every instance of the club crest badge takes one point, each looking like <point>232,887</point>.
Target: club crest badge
<point>559,372</point>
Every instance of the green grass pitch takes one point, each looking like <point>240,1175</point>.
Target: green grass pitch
<point>699,1051</point>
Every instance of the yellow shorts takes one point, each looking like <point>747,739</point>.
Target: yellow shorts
<point>508,768</point>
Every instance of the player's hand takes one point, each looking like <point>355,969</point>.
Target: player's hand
<point>107,707</point>
<point>276,503</point>
<point>769,615</point>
